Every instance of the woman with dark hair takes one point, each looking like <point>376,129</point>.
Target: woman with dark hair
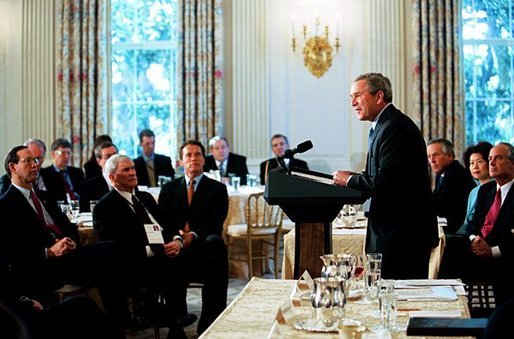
<point>91,167</point>
<point>476,158</point>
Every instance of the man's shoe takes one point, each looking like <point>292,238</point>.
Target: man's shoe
<point>186,320</point>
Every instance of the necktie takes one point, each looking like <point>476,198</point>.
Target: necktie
<point>54,229</point>
<point>140,210</point>
<point>222,170</point>
<point>67,187</point>
<point>438,182</point>
<point>151,173</point>
<point>190,193</point>
<point>370,137</point>
<point>491,216</point>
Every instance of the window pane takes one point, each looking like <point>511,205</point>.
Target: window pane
<point>153,68</point>
<point>124,128</point>
<point>493,121</point>
<point>156,20</point>
<point>123,75</point>
<point>492,71</point>
<point>123,19</point>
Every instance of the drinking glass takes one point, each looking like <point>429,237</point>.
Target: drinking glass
<point>92,204</point>
<point>235,182</point>
<point>349,216</point>
<point>387,298</point>
<point>372,273</point>
<point>75,208</point>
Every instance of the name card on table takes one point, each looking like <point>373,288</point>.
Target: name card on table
<point>154,234</point>
<point>285,312</point>
<point>305,282</point>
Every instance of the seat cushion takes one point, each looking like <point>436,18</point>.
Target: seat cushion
<point>241,229</point>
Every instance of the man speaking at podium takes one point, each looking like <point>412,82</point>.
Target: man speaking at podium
<point>401,222</point>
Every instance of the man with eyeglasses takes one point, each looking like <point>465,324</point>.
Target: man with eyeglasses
<point>95,188</point>
<point>61,180</point>
<point>38,149</point>
<point>41,245</point>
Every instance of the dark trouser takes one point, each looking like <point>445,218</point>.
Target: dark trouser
<point>207,262</point>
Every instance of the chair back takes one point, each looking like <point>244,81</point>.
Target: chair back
<point>260,215</point>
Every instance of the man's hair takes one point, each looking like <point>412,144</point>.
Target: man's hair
<point>12,156</point>
<point>146,133</point>
<point>38,142</point>
<point>112,163</point>
<point>101,139</point>
<point>276,136</point>
<point>377,82</point>
<point>216,139</point>
<point>446,145</point>
<point>193,143</point>
<point>510,155</point>
<point>98,149</point>
<point>60,142</point>
<point>482,147</point>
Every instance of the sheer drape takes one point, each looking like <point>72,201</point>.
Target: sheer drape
<point>80,54</point>
<point>199,70</point>
<point>437,79</point>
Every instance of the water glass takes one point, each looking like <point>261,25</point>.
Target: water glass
<point>235,182</point>
<point>251,180</point>
<point>372,274</point>
<point>349,213</point>
<point>75,207</point>
<point>387,298</point>
<point>92,204</point>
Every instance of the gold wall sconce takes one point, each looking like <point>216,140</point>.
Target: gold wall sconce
<point>317,49</point>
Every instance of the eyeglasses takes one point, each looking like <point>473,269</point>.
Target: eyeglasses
<point>59,152</point>
<point>30,161</point>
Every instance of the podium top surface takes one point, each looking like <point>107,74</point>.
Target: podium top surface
<point>307,187</point>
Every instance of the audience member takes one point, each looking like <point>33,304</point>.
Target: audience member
<point>198,206</point>
<point>95,188</point>
<point>91,167</point>
<point>500,321</point>
<point>121,216</point>
<point>62,180</point>
<point>38,149</point>
<point>279,144</point>
<point>39,241</point>
<point>226,162</point>
<point>150,165</point>
<point>401,222</point>
<point>476,158</point>
<point>452,184</point>
<point>486,251</point>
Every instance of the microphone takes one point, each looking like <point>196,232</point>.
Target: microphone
<point>300,148</point>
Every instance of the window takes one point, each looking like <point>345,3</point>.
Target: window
<point>143,51</point>
<point>487,32</point>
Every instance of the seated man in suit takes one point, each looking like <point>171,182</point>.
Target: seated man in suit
<point>150,165</point>
<point>38,149</point>
<point>279,144</point>
<point>452,184</point>
<point>39,241</point>
<point>485,252</point>
<point>225,161</point>
<point>62,180</point>
<point>198,206</point>
<point>121,216</point>
<point>95,188</point>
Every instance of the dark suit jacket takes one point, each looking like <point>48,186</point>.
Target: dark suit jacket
<point>273,163</point>
<point>208,208</point>
<point>162,166</point>
<point>92,169</point>
<point>401,224</point>
<point>25,237</point>
<point>92,189</point>
<point>451,196</point>
<point>236,164</point>
<point>5,182</point>
<point>55,185</point>
<point>114,219</point>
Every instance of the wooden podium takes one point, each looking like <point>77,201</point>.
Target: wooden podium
<point>310,200</point>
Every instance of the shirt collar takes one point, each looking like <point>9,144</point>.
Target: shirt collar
<point>197,179</point>
<point>23,190</point>
<point>58,170</point>
<point>505,188</point>
<point>148,157</point>
<point>126,195</point>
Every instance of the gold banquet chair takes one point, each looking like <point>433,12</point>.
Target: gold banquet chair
<point>263,224</point>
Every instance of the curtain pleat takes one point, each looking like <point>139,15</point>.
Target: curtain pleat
<point>439,98</point>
